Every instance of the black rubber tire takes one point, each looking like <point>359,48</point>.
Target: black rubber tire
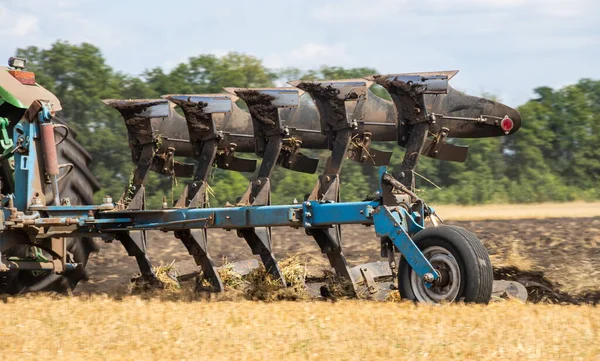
<point>79,186</point>
<point>476,273</point>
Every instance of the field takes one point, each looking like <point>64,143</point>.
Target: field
<point>133,329</point>
<point>102,322</point>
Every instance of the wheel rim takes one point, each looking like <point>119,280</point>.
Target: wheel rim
<point>446,291</point>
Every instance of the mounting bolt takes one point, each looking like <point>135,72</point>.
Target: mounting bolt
<point>258,182</point>
<point>194,185</point>
<point>307,225</point>
<point>308,214</point>
<point>428,277</point>
<point>107,199</point>
<point>36,201</point>
<point>307,204</point>
<point>328,178</point>
<point>164,202</point>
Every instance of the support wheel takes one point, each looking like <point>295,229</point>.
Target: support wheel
<point>461,261</point>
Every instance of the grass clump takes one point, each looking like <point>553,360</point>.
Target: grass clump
<point>262,286</point>
<point>166,280</point>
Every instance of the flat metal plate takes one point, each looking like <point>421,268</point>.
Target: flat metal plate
<point>346,86</point>
<point>436,82</point>
<point>377,269</point>
<point>510,289</point>
<point>216,103</point>
<point>283,97</point>
<point>148,108</point>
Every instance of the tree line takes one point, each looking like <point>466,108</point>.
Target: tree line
<point>555,156</point>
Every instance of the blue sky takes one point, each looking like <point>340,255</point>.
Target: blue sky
<point>504,47</point>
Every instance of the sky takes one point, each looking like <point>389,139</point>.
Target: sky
<point>503,47</point>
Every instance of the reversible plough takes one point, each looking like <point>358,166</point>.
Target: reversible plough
<point>439,263</point>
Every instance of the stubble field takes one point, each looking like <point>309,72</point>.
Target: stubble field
<point>101,321</point>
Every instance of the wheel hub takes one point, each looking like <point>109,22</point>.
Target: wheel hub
<point>443,276</point>
<point>447,287</point>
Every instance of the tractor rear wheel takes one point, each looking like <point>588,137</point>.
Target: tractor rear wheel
<point>79,186</point>
<point>462,262</point>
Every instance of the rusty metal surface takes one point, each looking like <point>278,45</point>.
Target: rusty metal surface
<point>459,104</point>
<point>463,116</point>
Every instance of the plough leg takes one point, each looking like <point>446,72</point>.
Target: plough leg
<point>135,244</point>
<point>259,194</point>
<point>269,135</point>
<point>142,140</point>
<point>195,242</point>
<point>205,142</point>
<point>335,124</point>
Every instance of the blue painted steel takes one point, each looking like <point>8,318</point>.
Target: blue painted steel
<point>411,225</point>
<point>389,224</point>
<point>313,214</point>
<point>25,164</point>
<point>325,214</point>
<point>227,218</point>
<point>44,115</point>
<point>382,170</point>
<point>78,209</point>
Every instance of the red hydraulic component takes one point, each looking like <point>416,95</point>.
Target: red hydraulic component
<point>49,149</point>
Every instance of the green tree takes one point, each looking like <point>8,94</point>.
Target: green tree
<point>554,157</point>
<point>210,74</point>
<point>80,78</point>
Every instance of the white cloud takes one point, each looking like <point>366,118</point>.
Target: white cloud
<point>312,52</point>
<point>17,24</point>
<point>310,55</point>
<point>359,10</point>
<point>369,12</point>
<point>25,25</point>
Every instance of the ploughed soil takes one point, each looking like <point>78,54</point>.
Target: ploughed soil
<point>558,259</point>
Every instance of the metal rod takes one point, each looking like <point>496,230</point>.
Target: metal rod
<point>54,183</point>
<point>36,266</point>
<point>172,223</point>
<point>395,183</point>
